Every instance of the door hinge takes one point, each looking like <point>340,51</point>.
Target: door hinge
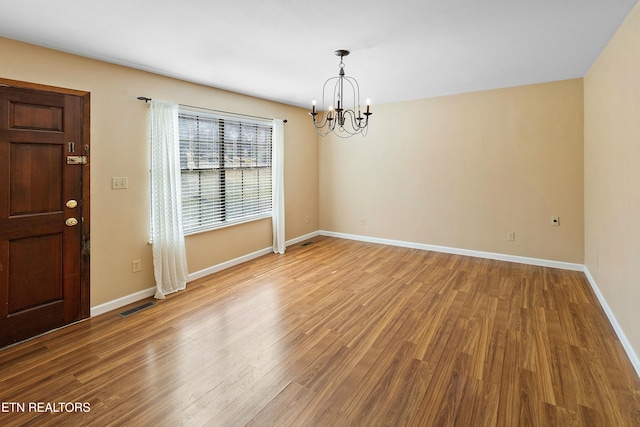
<point>76,160</point>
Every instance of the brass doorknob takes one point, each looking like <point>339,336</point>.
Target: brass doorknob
<point>71,222</point>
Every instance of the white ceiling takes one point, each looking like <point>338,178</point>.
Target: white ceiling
<point>282,50</point>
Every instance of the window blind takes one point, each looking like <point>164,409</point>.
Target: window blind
<point>225,170</point>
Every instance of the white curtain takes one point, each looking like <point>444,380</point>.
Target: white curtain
<point>277,188</point>
<point>169,255</point>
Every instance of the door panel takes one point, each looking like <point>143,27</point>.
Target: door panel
<point>32,285</point>
<point>36,117</point>
<point>41,260</point>
<point>36,178</point>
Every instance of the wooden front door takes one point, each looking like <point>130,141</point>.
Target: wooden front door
<point>43,268</point>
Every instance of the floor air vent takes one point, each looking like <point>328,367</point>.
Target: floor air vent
<point>137,309</point>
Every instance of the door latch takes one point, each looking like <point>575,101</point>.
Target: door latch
<point>76,160</point>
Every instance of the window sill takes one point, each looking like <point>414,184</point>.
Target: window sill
<point>230,224</point>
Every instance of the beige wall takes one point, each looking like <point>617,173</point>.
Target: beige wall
<point>464,170</point>
<point>120,147</point>
<point>612,175</point>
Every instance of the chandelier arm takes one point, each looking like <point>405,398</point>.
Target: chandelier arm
<point>323,114</point>
<point>322,123</point>
<point>358,123</point>
<point>356,92</point>
<point>355,88</point>
<point>354,121</point>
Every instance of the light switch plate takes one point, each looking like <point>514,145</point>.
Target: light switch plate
<point>119,182</point>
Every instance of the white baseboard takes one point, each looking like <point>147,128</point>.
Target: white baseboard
<point>121,302</point>
<point>215,268</point>
<point>456,251</point>
<point>129,299</point>
<point>614,322</point>
<point>302,238</point>
<point>227,264</point>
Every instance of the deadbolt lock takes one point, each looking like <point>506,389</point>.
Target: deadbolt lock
<point>71,222</point>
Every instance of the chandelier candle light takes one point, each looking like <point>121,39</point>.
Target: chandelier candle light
<point>342,121</point>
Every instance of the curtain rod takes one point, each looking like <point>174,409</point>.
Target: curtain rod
<point>145,99</point>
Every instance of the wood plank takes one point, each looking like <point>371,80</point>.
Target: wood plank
<point>340,333</point>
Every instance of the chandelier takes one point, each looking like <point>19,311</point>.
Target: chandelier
<point>342,115</point>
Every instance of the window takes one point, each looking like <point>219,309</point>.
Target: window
<point>225,168</point>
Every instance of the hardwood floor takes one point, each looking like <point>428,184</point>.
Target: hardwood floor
<point>339,333</point>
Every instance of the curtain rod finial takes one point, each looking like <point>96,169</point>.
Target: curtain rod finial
<point>144,98</point>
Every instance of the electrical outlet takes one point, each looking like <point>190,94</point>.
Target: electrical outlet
<point>119,182</point>
<point>306,219</point>
<point>511,236</point>
<point>136,266</point>
<point>362,221</point>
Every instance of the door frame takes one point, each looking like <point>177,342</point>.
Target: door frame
<point>85,301</point>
